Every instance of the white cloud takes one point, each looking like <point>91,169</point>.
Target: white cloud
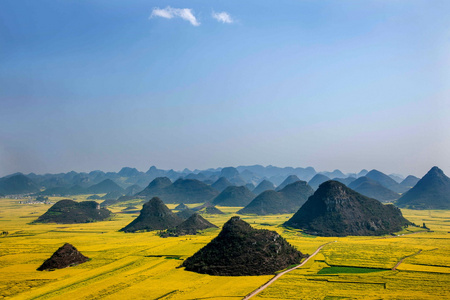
<point>222,17</point>
<point>170,12</point>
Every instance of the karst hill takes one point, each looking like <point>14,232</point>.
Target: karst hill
<point>155,215</point>
<point>181,191</point>
<point>240,250</point>
<point>430,192</point>
<point>287,200</point>
<point>234,196</point>
<point>190,226</point>
<point>69,212</point>
<point>336,210</point>
<point>66,256</point>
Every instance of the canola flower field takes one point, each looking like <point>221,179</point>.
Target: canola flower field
<point>413,265</point>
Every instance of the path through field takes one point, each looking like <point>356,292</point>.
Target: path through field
<point>401,260</point>
<point>268,283</point>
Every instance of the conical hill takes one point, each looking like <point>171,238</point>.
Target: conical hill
<point>288,200</point>
<point>410,181</point>
<point>373,189</point>
<point>240,250</point>
<point>234,196</point>
<point>191,226</point>
<point>290,179</point>
<point>221,184</point>
<point>211,210</point>
<point>336,210</point>
<point>67,255</point>
<point>69,212</point>
<point>182,190</point>
<point>431,192</point>
<point>155,215</point>
<point>317,180</point>
<point>264,185</point>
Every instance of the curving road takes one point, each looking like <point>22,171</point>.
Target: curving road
<point>268,283</point>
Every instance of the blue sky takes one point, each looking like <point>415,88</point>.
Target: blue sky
<point>344,84</point>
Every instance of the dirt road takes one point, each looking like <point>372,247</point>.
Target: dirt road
<point>268,283</point>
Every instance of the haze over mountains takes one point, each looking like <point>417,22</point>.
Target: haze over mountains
<point>242,184</point>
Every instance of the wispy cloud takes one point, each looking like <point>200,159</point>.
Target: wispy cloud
<point>170,12</point>
<point>222,17</point>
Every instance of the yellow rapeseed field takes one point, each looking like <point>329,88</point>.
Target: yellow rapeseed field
<point>143,265</point>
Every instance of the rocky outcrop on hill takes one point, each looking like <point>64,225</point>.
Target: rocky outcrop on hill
<point>66,256</point>
<point>336,210</point>
<point>155,215</point>
<point>69,212</point>
<point>431,192</point>
<point>240,250</point>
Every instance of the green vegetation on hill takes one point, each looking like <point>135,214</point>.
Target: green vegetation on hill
<point>234,196</point>
<point>241,250</point>
<point>264,185</point>
<point>17,184</point>
<point>221,184</point>
<point>386,181</point>
<point>106,186</point>
<point>191,226</point>
<point>290,179</point>
<point>288,200</point>
<point>336,210</point>
<point>317,180</point>
<point>155,215</point>
<point>431,192</point>
<point>211,210</point>
<point>66,256</point>
<point>373,189</point>
<point>70,212</point>
<point>182,190</point>
<point>410,181</point>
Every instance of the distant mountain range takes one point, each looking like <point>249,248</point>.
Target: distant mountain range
<point>130,181</point>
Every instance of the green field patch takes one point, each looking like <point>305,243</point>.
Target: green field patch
<point>346,270</point>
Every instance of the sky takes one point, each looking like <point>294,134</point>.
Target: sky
<point>332,84</point>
